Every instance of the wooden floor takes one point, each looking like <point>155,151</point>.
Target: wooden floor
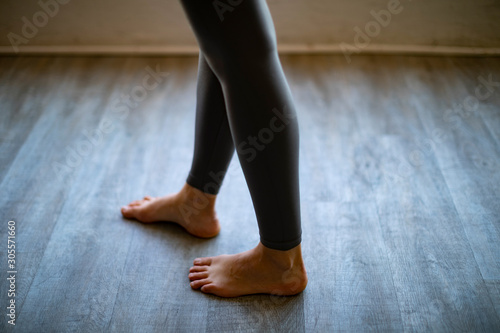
<point>400,185</point>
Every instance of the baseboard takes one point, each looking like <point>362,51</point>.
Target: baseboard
<point>393,49</point>
<point>135,50</point>
<point>117,50</point>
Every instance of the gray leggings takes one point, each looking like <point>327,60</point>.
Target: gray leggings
<point>243,101</point>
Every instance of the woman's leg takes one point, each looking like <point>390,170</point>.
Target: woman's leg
<point>214,146</point>
<point>240,48</point>
<point>194,206</point>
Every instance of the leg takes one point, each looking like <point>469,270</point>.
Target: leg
<point>213,148</point>
<point>241,50</point>
<point>194,206</point>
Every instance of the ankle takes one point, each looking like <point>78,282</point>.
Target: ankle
<point>286,260</point>
<point>197,199</point>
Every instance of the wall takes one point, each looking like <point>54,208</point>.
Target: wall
<point>160,26</point>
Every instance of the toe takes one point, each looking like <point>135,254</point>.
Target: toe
<point>135,212</point>
<point>128,211</point>
<point>203,261</point>
<point>198,275</point>
<point>198,269</point>
<point>135,203</point>
<point>196,284</point>
<point>209,288</point>
<point>147,197</point>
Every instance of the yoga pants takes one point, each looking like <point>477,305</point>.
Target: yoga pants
<point>244,102</point>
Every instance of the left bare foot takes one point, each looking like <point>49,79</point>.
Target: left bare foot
<point>190,208</point>
<point>258,271</point>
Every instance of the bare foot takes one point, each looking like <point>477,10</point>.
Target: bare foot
<point>258,271</point>
<point>191,208</point>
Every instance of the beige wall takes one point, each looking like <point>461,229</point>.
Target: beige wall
<point>299,23</point>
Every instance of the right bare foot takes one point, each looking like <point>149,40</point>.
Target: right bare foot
<point>260,270</point>
<point>191,208</point>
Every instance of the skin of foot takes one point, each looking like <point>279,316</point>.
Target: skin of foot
<point>191,208</point>
<point>260,270</point>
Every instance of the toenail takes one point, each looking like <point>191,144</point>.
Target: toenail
<point>197,261</point>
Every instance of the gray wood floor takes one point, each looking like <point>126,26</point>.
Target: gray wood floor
<point>400,184</point>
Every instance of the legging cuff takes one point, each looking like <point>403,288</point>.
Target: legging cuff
<point>210,188</point>
<point>282,246</point>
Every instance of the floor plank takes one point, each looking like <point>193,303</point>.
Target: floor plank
<point>469,159</point>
